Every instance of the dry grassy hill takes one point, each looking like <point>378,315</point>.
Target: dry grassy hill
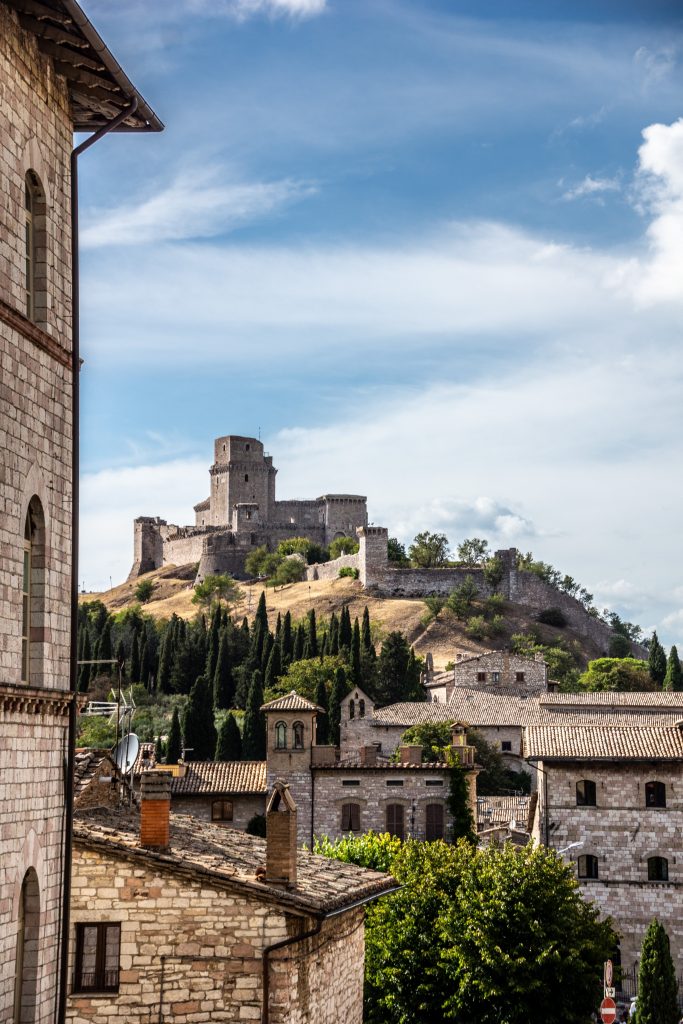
<point>443,637</point>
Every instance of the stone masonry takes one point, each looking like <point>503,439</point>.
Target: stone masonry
<point>241,513</point>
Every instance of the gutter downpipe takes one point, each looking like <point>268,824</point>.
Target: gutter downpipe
<point>75,469</point>
<point>544,773</point>
<point>265,1010</point>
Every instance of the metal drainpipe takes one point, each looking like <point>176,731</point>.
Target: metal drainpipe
<point>265,1010</point>
<point>63,937</point>
<point>546,827</point>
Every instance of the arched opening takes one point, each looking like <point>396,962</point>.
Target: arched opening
<point>33,595</point>
<point>657,869</point>
<point>298,734</point>
<point>35,249</point>
<point>26,959</point>
<point>655,794</point>
<point>585,793</point>
<point>587,866</point>
<point>361,708</point>
<point>280,736</point>
<point>352,709</point>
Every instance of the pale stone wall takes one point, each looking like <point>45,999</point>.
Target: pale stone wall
<point>213,940</point>
<point>35,437</point>
<point>622,833</point>
<point>501,670</point>
<point>244,808</point>
<point>330,570</point>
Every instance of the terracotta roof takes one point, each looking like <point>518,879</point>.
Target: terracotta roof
<point>229,859</point>
<point>500,810</point>
<point>383,766</point>
<point>86,766</point>
<point>607,742</point>
<point>213,777</point>
<point>291,702</point>
<point>99,89</point>
<point>147,757</point>
<point>412,713</point>
<point>636,699</point>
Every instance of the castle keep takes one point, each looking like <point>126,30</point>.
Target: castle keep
<point>241,513</point>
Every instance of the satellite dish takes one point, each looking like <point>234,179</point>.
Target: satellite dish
<point>126,753</point>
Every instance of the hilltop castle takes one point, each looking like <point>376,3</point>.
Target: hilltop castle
<point>241,513</point>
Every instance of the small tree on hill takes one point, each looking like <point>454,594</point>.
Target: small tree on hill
<point>343,546</point>
<point>396,552</point>
<point>174,744</point>
<point>143,591</point>
<point>429,550</point>
<point>473,551</point>
<point>219,587</point>
<point>657,988</point>
<point>229,745</point>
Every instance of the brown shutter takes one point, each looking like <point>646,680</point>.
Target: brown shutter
<point>434,822</point>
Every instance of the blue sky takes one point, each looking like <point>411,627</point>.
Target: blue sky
<point>433,251</point>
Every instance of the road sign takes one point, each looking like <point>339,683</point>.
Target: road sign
<point>608,1011</point>
<point>608,976</point>
<point>611,992</point>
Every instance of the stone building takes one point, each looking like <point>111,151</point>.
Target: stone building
<point>227,793</point>
<point>180,919</point>
<point>611,798</point>
<point>492,671</point>
<point>241,513</point>
<point>56,77</point>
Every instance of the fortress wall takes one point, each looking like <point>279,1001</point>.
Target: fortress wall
<point>330,570</point>
<point>183,550</point>
<point>298,515</point>
<point>427,582</point>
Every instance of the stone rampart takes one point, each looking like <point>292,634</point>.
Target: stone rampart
<point>330,570</point>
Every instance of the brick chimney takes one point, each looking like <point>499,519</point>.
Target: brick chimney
<point>368,756</point>
<point>281,837</point>
<point>410,754</point>
<point>155,808</point>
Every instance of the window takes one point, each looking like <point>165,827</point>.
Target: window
<point>655,794</point>
<point>280,736</point>
<point>26,951</point>
<point>351,782</point>
<point>585,793</point>
<point>352,709</point>
<point>247,447</point>
<point>97,957</point>
<point>350,821</point>
<point>298,731</point>
<point>394,816</point>
<point>26,603</point>
<point>519,677</point>
<point>246,478</point>
<point>495,677</point>
<point>361,709</point>
<point>221,810</point>
<point>657,869</point>
<point>506,746</point>
<point>434,829</point>
<point>394,782</point>
<point>32,594</point>
<point>481,677</point>
<point>587,866</point>
<point>434,782</point>
<point>35,245</point>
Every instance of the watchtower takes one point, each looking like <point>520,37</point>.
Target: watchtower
<point>242,474</point>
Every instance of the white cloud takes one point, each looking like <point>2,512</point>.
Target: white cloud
<point>241,9</point>
<point>674,621</point>
<point>198,204</point>
<point>593,187</point>
<point>654,65</point>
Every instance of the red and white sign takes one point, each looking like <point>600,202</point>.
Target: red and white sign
<point>608,1011</point>
<point>608,973</point>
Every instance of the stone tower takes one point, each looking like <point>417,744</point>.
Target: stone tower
<point>242,474</point>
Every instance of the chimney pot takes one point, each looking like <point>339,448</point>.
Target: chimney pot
<point>155,809</point>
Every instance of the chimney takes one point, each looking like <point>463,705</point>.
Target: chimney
<point>368,756</point>
<point>410,754</point>
<point>155,808</point>
<point>281,837</point>
<point>460,748</point>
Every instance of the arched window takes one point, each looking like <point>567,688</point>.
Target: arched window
<point>434,823</point>
<point>26,958</point>
<point>280,736</point>
<point>585,793</point>
<point>655,794</point>
<point>395,820</point>
<point>587,866</point>
<point>33,594</point>
<point>35,252</point>
<point>657,869</point>
<point>350,818</point>
<point>361,708</point>
<point>298,731</point>
<point>352,709</point>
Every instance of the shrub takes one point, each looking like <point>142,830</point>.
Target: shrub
<point>290,570</point>
<point>343,546</point>
<point>143,591</point>
<point>256,826</point>
<point>476,627</point>
<point>552,617</point>
<point>348,570</point>
<point>434,604</point>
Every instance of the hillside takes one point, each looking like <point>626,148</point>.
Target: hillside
<point>442,637</point>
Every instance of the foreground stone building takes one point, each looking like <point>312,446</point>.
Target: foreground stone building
<point>181,919</point>
<point>241,513</point>
<point>56,77</point>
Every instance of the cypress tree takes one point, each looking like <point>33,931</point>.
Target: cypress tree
<point>312,633</point>
<point>333,646</point>
<point>345,631</point>
<point>181,668</point>
<point>355,654</point>
<point>392,682</point>
<point>174,743</point>
<point>273,668</point>
<point>366,635</point>
<point>299,643</point>
<point>337,694</point>
<point>673,680</point>
<point>223,682</point>
<point>322,719</point>
<point>323,647</point>
<point>199,729</point>
<point>121,658</point>
<point>229,745</point>
<point>657,988</point>
<point>159,750</point>
<point>278,627</point>
<point>135,660</point>
<point>287,644</point>
<point>104,651</point>
<point>261,612</point>
<point>84,674</point>
<point>144,671</point>
<point>254,733</point>
<point>257,640</point>
<point>213,642</point>
<point>268,642</point>
<point>656,661</point>
<point>165,661</point>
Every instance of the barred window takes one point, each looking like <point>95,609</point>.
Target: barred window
<point>97,957</point>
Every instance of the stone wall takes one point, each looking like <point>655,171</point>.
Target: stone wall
<point>213,940</point>
<point>330,570</point>
<point>244,808</point>
<point>622,833</point>
<point>35,471</point>
<point>501,671</point>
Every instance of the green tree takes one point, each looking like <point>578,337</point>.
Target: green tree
<point>299,643</point>
<point>223,680</point>
<point>458,802</point>
<point>345,629</point>
<point>174,743</point>
<point>473,551</point>
<point>322,719</point>
<point>337,694</point>
<point>355,654</point>
<point>290,570</point>
<point>343,546</point>
<point>135,659</point>
<point>312,633</point>
<point>396,551</point>
<point>287,644</point>
<point>395,681</point>
<point>657,988</point>
<point>493,571</point>
<point>143,591</point>
<point>620,674</point>
<point>199,729</point>
<point>261,613</point>
<point>104,652</point>
<point>461,599</point>
<point>145,666</point>
<point>85,670</point>
<point>656,661</point>
<point>429,550</point>
<point>213,642</point>
<point>254,730</point>
<point>273,668</point>
<point>229,745</point>
<point>216,587</point>
<point>673,680</point>
<point>366,633</point>
<point>256,562</point>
